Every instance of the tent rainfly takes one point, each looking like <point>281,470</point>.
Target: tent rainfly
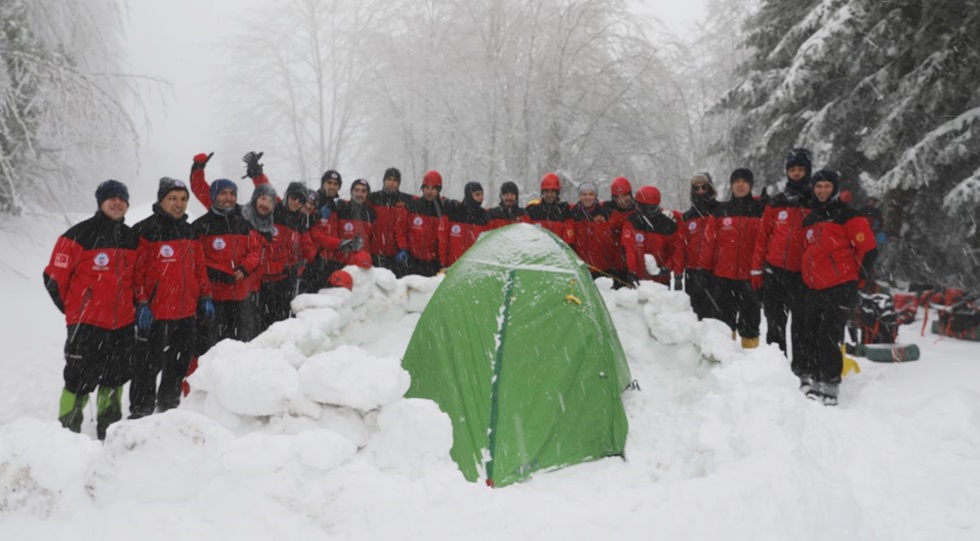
<point>517,347</point>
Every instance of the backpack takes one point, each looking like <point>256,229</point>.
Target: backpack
<point>879,319</point>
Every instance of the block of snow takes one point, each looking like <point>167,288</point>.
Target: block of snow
<point>411,433</point>
<point>349,376</point>
<point>253,382</point>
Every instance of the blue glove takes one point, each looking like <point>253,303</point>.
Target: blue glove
<point>144,317</point>
<point>325,212</point>
<point>402,257</point>
<point>206,308</point>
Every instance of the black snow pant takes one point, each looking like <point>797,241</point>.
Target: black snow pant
<point>237,320</point>
<point>826,311</point>
<point>423,267</point>
<point>739,306</point>
<point>702,287</point>
<point>96,358</point>
<point>783,294</point>
<point>275,298</point>
<point>167,350</point>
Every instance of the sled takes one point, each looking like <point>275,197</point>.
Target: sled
<point>888,353</point>
<point>972,335</point>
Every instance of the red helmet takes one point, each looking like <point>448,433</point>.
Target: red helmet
<point>341,278</point>
<point>846,196</point>
<point>432,178</point>
<point>550,181</point>
<point>620,186</point>
<point>361,259</point>
<point>648,195</point>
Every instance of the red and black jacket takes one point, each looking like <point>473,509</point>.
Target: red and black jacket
<point>735,227</point>
<point>170,271</point>
<point>423,220</point>
<point>462,223</point>
<point>839,246</point>
<point>351,220</point>
<point>90,276</point>
<point>695,247</point>
<point>230,244</point>
<point>780,240</point>
<point>555,217</point>
<point>289,246</point>
<point>618,217</point>
<point>594,240</point>
<point>649,230</point>
<point>389,209</point>
<point>501,216</point>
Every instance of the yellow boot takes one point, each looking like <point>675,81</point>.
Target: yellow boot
<point>750,343</point>
<point>849,365</point>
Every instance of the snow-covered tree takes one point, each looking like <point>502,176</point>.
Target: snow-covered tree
<point>885,92</point>
<point>60,97</point>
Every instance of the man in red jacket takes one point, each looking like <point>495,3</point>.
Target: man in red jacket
<point>551,212</point>
<point>651,231</point>
<point>172,279</point>
<point>778,249</point>
<point>232,252</point>
<point>90,279</point>
<point>695,250</point>
<point>462,223</point>
<point>839,253</point>
<point>594,241</point>
<point>422,231</point>
<point>621,206</point>
<point>389,209</point>
<point>509,211</point>
<point>734,228</point>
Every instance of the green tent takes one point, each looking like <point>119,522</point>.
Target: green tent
<point>517,347</point>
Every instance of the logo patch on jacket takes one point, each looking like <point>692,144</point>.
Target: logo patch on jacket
<point>783,215</point>
<point>218,244</point>
<point>348,226</point>
<point>640,237</point>
<point>417,221</point>
<point>809,235</point>
<point>275,231</point>
<point>726,222</point>
<point>61,260</point>
<point>101,260</point>
<point>455,230</point>
<point>166,251</point>
<point>692,226</point>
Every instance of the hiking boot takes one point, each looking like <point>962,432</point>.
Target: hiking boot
<point>825,393</point>
<point>750,343</point>
<point>806,383</point>
<point>109,402</point>
<point>70,410</point>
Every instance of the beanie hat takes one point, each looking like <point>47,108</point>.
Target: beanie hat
<point>331,175</point>
<point>799,157</point>
<point>168,185</point>
<point>298,190</point>
<point>221,185</point>
<point>587,187</point>
<point>826,175</point>
<point>704,178</point>
<point>744,174</point>
<point>360,182</point>
<point>508,187</point>
<point>263,189</point>
<point>362,259</point>
<point>393,172</point>
<point>110,189</point>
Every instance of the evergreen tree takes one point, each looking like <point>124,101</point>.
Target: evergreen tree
<point>886,92</point>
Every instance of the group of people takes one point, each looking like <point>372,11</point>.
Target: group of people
<point>144,302</point>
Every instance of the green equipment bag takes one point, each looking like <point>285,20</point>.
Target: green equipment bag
<point>888,353</point>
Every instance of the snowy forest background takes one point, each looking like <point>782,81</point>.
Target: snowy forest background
<point>886,92</point>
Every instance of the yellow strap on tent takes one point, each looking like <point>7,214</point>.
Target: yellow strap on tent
<point>571,295</point>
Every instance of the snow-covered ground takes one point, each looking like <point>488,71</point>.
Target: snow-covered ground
<point>303,434</point>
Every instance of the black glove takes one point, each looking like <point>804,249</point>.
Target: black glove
<point>351,245</point>
<point>678,283</point>
<point>201,161</point>
<point>253,168</point>
<point>631,280</point>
